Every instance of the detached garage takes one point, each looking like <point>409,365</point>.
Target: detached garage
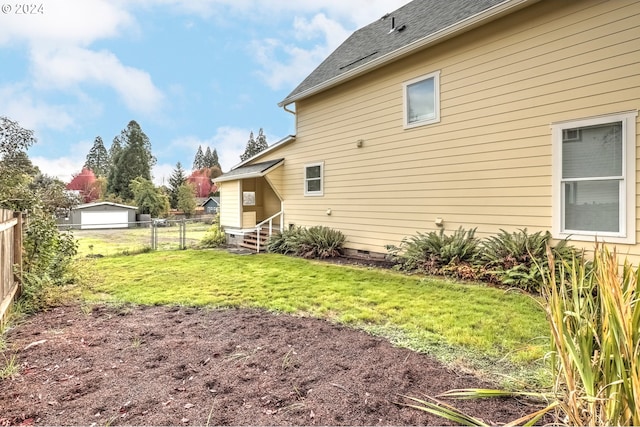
<point>103,215</point>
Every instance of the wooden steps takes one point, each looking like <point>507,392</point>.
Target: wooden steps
<point>250,241</point>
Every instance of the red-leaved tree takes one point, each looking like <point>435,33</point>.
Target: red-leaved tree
<point>202,181</point>
<point>86,183</point>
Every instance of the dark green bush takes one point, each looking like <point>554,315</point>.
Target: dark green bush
<point>320,242</point>
<point>286,242</point>
<point>438,253</point>
<point>519,259</point>
<point>314,242</point>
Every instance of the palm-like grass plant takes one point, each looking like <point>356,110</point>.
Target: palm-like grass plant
<point>595,341</point>
<point>594,317</point>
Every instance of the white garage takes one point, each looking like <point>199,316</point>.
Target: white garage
<point>103,215</point>
<point>104,220</point>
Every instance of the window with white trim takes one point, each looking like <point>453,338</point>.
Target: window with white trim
<point>594,178</point>
<point>313,179</point>
<point>422,100</point>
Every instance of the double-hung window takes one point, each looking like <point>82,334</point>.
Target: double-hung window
<point>594,178</point>
<point>313,179</point>
<point>422,100</point>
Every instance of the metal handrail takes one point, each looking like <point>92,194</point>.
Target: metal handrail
<point>270,221</point>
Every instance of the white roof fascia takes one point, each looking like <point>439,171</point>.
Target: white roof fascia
<point>90,205</point>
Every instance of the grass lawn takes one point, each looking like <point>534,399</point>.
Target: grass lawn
<point>492,330</point>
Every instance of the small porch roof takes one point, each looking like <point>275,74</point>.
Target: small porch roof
<point>250,171</point>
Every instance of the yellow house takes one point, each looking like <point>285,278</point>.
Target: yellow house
<point>495,114</point>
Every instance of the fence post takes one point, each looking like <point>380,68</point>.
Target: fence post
<point>183,234</point>
<point>17,251</point>
<point>153,236</point>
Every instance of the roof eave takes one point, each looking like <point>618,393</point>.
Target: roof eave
<point>260,174</point>
<point>278,144</point>
<point>495,12</point>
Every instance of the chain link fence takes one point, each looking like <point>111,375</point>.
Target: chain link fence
<point>159,234</point>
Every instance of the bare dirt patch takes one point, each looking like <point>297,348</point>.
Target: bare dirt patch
<point>186,366</point>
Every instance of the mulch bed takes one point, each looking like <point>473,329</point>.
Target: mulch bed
<point>132,365</point>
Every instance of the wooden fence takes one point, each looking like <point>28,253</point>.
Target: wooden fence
<point>10,258</point>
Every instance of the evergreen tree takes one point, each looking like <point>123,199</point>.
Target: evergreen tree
<point>134,160</point>
<point>261,142</point>
<point>98,159</point>
<point>254,146</point>
<point>198,161</point>
<point>214,159</point>
<point>207,158</point>
<point>176,179</point>
<point>250,149</point>
<point>114,152</point>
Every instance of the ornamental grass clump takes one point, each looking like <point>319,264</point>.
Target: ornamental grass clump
<point>595,340</point>
<point>594,317</point>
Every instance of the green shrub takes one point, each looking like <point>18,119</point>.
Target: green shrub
<point>213,238</point>
<point>48,257</point>
<point>314,242</point>
<point>320,242</point>
<point>286,242</point>
<point>438,253</point>
<point>519,259</point>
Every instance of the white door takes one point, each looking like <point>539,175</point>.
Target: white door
<point>113,219</point>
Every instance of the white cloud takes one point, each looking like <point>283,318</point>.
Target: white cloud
<point>298,62</point>
<point>355,12</point>
<point>68,67</point>
<point>20,105</point>
<point>286,64</point>
<point>62,167</point>
<point>58,38</point>
<point>66,23</point>
<point>161,173</point>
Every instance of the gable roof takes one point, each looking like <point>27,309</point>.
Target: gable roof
<point>215,200</point>
<point>418,24</point>
<point>251,171</point>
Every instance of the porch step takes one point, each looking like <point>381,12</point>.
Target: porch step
<point>250,241</point>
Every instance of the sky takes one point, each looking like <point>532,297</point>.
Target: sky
<point>190,72</point>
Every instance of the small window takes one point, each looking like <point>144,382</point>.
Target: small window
<point>422,100</point>
<point>248,198</point>
<point>313,177</point>
<point>594,178</point>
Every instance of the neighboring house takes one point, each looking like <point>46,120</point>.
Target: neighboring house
<point>466,113</point>
<point>101,215</point>
<point>210,205</point>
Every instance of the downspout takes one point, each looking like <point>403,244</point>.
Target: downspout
<point>287,110</point>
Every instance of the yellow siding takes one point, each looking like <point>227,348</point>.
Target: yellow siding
<point>230,193</point>
<point>487,164</point>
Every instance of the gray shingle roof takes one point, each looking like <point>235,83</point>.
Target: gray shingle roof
<point>420,19</point>
<point>247,171</point>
